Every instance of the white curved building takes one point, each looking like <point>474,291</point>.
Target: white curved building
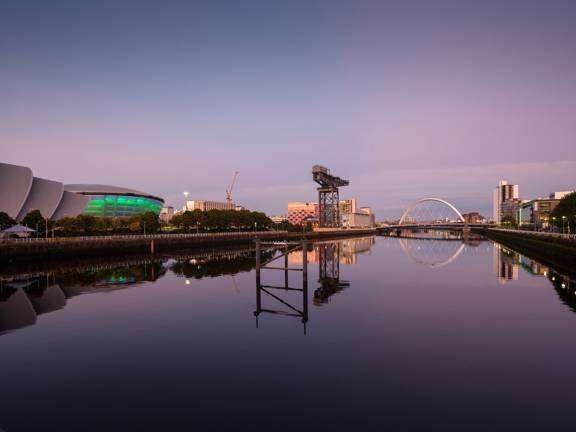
<point>15,185</point>
<point>21,192</point>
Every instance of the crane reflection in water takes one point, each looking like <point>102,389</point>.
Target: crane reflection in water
<point>29,292</point>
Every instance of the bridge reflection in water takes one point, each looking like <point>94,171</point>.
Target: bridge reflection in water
<point>24,295</point>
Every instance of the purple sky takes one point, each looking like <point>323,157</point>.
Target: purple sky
<point>405,98</point>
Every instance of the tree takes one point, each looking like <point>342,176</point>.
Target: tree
<point>86,223</point>
<point>135,226</point>
<point>120,224</point>
<point>150,219</point>
<point>34,220</point>
<point>565,212</point>
<point>508,221</point>
<point>67,226</point>
<point>6,221</point>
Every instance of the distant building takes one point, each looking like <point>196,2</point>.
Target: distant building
<point>503,193</point>
<point>473,218</point>
<point>357,220</point>
<point>204,205</point>
<point>509,209</point>
<point>299,211</point>
<point>352,216</point>
<point>279,219</point>
<point>560,195</point>
<point>166,213</point>
<point>348,206</point>
<point>536,212</point>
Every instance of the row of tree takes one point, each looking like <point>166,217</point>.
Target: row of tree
<point>564,214</point>
<point>85,224</point>
<point>221,220</point>
<point>189,221</point>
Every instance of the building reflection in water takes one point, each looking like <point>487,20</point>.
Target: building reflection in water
<point>25,296</point>
<point>504,263</point>
<point>507,264</point>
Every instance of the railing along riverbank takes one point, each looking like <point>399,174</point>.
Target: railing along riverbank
<point>537,234</point>
<point>54,248</point>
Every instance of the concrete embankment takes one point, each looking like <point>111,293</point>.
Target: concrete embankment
<point>551,249</point>
<point>51,249</point>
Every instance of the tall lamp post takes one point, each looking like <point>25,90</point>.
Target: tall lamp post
<point>563,223</point>
<point>553,223</point>
<point>255,226</point>
<point>197,227</point>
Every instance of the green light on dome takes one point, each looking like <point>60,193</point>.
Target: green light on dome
<point>121,205</point>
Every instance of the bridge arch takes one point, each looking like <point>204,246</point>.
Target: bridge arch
<point>420,201</point>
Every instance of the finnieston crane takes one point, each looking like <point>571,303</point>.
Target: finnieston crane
<point>328,198</point>
<point>229,188</point>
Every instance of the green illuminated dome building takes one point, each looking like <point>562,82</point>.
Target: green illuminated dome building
<point>112,201</point>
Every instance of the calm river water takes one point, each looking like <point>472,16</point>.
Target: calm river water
<point>392,334</point>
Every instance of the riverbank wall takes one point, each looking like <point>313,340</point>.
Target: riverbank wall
<point>550,249</point>
<point>58,248</point>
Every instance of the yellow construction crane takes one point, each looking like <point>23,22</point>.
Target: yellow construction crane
<point>229,189</point>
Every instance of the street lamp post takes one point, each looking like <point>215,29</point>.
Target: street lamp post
<point>197,227</point>
<point>553,223</point>
<point>255,226</point>
<point>563,223</point>
<point>144,227</point>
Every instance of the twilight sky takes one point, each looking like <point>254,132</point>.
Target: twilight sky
<point>405,98</point>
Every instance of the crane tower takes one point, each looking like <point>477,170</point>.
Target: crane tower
<point>328,197</point>
<point>229,188</point>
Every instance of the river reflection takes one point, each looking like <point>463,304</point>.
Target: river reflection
<point>507,265</point>
<point>374,327</point>
<point>23,297</point>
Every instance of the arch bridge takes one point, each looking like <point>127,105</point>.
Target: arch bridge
<point>417,216</point>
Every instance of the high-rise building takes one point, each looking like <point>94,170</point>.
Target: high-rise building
<point>502,193</point>
<point>299,211</point>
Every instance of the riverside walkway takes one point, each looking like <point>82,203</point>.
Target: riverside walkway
<point>49,248</point>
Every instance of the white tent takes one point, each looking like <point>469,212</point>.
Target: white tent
<point>17,230</point>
